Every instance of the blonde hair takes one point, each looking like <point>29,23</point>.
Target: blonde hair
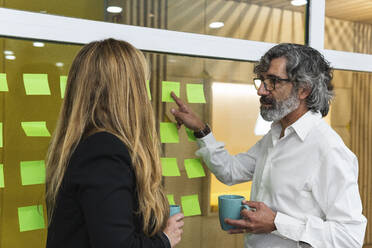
<point>106,91</point>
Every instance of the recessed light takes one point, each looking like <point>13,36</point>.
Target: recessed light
<point>298,2</point>
<point>216,25</point>
<point>114,9</point>
<point>10,57</point>
<point>7,52</point>
<point>38,44</point>
<point>59,64</point>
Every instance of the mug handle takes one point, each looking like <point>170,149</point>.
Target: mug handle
<point>246,207</point>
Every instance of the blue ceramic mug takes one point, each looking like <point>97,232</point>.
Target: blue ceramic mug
<point>174,209</point>
<point>229,206</point>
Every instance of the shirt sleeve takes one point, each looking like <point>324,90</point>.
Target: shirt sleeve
<point>106,194</point>
<point>335,188</point>
<point>227,168</point>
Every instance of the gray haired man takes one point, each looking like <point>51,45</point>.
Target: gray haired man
<point>304,178</point>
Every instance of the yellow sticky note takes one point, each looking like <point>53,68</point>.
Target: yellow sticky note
<point>168,132</point>
<point>190,135</point>
<point>194,168</point>
<point>36,84</point>
<point>32,172</point>
<point>1,134</point>
<point>169,167</point>
<point>171,200</point>
<point>2,184</point>
<point>31,218</point>
<point>148,89</point>
<point>35,128</point>
<point>167,88</point>
<point>62,84</point>
<point>190,205</point>
<point>3,82</point>
<point>195,93</point>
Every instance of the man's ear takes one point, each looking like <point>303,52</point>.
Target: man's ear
<point>303,93</point>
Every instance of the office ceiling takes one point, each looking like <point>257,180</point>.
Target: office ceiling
<point>350,10</point>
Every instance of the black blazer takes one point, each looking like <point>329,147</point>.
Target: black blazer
<point>97,203</point>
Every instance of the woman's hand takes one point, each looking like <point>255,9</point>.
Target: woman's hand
<point>174,229</point>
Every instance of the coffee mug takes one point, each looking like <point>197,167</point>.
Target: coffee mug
<point>174,209</point>
<point>229,206</point>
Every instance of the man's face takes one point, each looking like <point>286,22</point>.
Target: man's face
<point>281,101</point>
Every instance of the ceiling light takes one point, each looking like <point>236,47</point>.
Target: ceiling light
<point>298,2</point>
<point>114,9</point>
<point>10,57</point>
<point>59,64</point>
<point>38,44</point>
<point>216,25</point>
<point>7,52</point>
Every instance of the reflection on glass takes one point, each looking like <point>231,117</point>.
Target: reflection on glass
<point>270,21</point>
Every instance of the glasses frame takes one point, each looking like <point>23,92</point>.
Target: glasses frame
<point>275,80</point>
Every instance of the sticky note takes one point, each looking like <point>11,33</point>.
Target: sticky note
<point>168,132</point>
<point>32,172</point>
<point>31,218</point>
<point>35,128</point>
<point>194,168</point>
<point>195,93</point>
<point>190,135</point>
<point>169,167</point>
<point>167,88</point>
<point>148,89</point>
<point>1,134</point>
<point>3,82</point>
<point>2,185</point>
<point>36,84</point>
<point>190,205</point>
<point>62,84</point>
<point>171,200</point>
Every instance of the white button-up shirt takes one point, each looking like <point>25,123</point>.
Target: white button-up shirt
<point>308,177</point>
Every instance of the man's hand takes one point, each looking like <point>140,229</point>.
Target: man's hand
<point>259,221</point>
<point>184,115</point>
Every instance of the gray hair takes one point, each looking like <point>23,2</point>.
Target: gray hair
<point>306,68</point>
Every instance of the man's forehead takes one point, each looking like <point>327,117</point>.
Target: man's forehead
<point>278,67</point>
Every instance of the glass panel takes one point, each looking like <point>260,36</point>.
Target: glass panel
<point>348,26</point>
<point>270,21</point>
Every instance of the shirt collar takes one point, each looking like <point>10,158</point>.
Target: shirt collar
<point>302,126</point>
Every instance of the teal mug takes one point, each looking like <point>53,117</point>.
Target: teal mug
<point>229,206</point>
<point>174,209</point>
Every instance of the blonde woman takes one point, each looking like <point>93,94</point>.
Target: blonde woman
<point>103,186</point>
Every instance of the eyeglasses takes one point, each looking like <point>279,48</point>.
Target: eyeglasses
<point>269,83</point>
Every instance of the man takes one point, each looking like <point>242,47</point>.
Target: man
<point>304,178</point>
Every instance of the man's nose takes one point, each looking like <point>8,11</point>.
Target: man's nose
<point>262,91</point>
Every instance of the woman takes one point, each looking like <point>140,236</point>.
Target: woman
<point>103,186</point>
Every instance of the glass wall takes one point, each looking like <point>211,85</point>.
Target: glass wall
<point>269,21</point>
<point>348,26</point>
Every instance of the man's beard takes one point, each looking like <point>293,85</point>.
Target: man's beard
<point>278,109</point>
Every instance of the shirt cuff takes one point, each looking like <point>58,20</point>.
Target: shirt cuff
<point>288,226</point>
<point>166,240</point>
<point>207,139</point>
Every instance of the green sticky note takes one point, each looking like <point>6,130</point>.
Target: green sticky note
<point>148,89</point>
<point>171,200</point>
<point>3,82</point>
<point>1,134</point>
<point>168,132</point>
<point>62,84</point>
<point>36,84</point>
<point>31,218</point>
<point>195,93</point>
<point>169,167</point>
<point>2,185</point>
<point>194,168</point>
<point>167,88</point>
<point>32,172</point>
<point>190,135</point>
<point>190,205</point>
<point>35,128</point>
